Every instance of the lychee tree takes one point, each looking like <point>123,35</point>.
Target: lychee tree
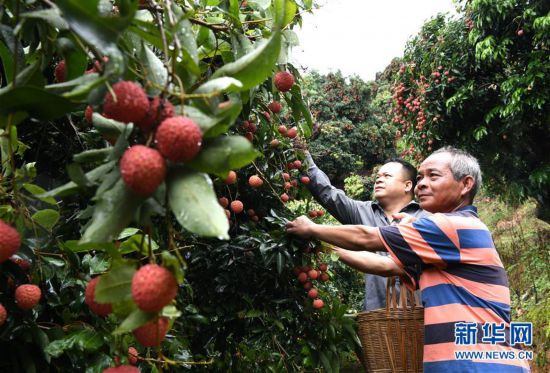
<point>166,247</point>
<point>478,80</point>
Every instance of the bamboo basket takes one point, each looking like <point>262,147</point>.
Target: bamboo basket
<point>393,338</point>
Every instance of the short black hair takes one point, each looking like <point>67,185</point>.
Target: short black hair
<point>410,170</point>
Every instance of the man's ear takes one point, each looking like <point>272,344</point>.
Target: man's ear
<point>468,183</point>
<point>408,186</point>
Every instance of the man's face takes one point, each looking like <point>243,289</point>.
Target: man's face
<point>391,182</point>
<point>436,188</point>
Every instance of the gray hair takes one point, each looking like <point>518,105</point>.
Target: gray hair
<point>463,164</point>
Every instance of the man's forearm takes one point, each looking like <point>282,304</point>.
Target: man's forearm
<point>350,237</point>
<point>369,262</point>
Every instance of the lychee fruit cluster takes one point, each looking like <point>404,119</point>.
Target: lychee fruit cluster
<point>306,275</point>
<point>153,287</point>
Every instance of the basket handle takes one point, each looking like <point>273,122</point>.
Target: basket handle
<point>391,297</point>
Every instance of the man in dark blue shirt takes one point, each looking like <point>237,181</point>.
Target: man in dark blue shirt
<point>394,194</point>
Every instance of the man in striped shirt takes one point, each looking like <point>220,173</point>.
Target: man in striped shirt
<point>450,256</point>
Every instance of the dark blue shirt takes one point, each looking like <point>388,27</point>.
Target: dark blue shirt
<point>350,211</point>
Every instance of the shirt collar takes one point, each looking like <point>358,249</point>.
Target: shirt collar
<point>413,204</point>
<point>469,208</point>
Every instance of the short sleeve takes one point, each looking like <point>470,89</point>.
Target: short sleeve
<point>418,245</point>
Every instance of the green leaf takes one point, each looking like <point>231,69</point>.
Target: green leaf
<point>280,263</point>
<point>46,218</point>
<point>192,200</point>
<point>71,187</point>
<point>102,33</point>
<point>134,320</point>
<point>52,16</point>
<point>75,247</point>
<point>224,154</point>
<point>127,233</point>
<point>83,340</point>
<point>35,101</point>
<point>134,243</point>
<point>113,211</point>
<point>36,191</point>
<point>253,68</point>
<point>172,263</point>
<point>154,70</point>
<point>290,12</point>
<point>108,127</point>
<point>115,285</point>
<point>94,155</point>
<point>220,85</point>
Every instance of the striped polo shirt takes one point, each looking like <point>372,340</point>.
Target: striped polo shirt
<point>451,257</point>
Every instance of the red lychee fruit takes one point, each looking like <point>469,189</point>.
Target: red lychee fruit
<point>267,116</point>
<point>237,206</point>
<point>313,293</point>
<point>152,333</point>
<point>3,315</point>
<point>324,277</point>
<point>252,127</point>
<point>88,114</point>
<point>22,263</point>
<point>308,285</point>
<point>27,296</point>
<point>97,308</point>
<point>297,164</point>
<point>302,277</point>
<point>520,32</point>
<point>318,303</point>
<point>284,197</point>
<point>231,178</point>
<point>249,136</point>
<point>130,105</point>
<point>287,185</point>
<point>286,176</point>
<point>312,214</point>
<point>275,107</point>
<point>255,218</point>
<point>224,202</point>
<point>143,169</point>
<point>274,143</point>
<point>283,80</point>
<point>292,133</point>
<point>255,181</point>
<point>282,129</point>
<point>250,212</point>
<point>133,355</point>
<point>122,369</point>
<point>323,267</point>
<point>60,71</point>
<point>320,212</point>
<point>159,110</point>
<point>294,183</point>
<point>305,180</point>
<point>313,274</point>
<point>179,139</point>
<point>10,241</point>
<point>153,287</point>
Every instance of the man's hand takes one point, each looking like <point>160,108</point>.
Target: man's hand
<point>404,218</point>
<point>301,227</point>
<point>300,144</point>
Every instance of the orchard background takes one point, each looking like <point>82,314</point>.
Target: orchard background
<point>478,80</point>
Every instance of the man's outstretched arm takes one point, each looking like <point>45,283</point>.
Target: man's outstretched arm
<point>369,262</point>
<point>350,237</point>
